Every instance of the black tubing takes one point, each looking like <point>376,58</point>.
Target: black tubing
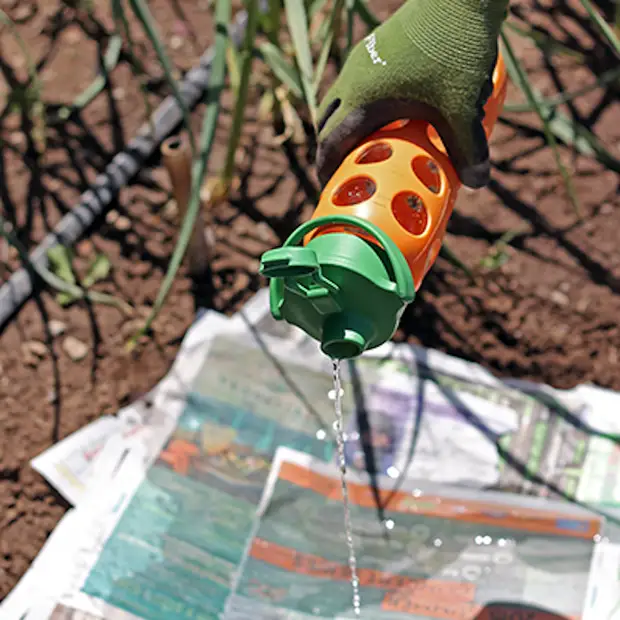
<point>123,167</point>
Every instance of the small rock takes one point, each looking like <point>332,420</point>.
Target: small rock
<point>123,223</point>
<point>118,93</point>
<point>75,348</point>
<point>52,397</point>
<point>35,347</point>
<point>111,217</point>
<point>176,42</point>
<point>564,287</point>
<point>170,210</point>
<point>23,12</point>
<point>29,358</point>
<point>606,209</point>
<point>559,298</point>
<point>57,328</point>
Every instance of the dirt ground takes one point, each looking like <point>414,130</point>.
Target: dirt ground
<point>547,310</point>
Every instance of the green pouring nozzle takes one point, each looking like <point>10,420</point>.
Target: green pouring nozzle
<point>341,289</point>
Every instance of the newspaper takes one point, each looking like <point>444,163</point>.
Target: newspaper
<point>446,553</point>
<point>170,538</point>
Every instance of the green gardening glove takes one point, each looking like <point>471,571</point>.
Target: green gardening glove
<point>431,60</point>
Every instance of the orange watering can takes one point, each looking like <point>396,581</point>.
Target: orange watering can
<point>346,276</point>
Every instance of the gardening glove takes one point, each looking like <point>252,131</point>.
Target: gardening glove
<point>431,60</point>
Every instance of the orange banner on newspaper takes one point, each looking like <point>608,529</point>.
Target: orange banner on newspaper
<point>403,602</point>
<point>307,564</point>
<point>456,509</point>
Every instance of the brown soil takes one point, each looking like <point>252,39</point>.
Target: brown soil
<point>549,313</point>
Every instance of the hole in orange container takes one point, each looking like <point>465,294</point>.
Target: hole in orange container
<point>409,210</point>
<point>354,191</point>
<point>428,172</point>
<point>436,141</point>
<point>396,125</point>
<point>375,153</point>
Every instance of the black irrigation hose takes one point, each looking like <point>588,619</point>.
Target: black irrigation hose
<point>124,166</point>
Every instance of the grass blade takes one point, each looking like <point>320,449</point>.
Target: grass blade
<point>327,44</point>
<point>281,68</point>
<point>145,17</point>
<point>350,23</point>
<point>223,13</point>
<point>602,25</point>
<point>110,60</point>
<point>298,25</point>
<point>608,77</point>
<point>519,77</point>
<point>366,15</point>
<point>245,63</point>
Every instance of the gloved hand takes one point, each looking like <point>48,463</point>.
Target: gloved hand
<point>431,60</point>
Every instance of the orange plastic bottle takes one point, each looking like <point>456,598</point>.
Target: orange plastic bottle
<point>395,192</point>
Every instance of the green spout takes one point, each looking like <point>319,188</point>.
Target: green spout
<point>341,289</point>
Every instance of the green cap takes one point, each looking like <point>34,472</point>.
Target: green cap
<point>341,289</point>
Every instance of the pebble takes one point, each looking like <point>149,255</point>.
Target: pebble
<point>36,347</point>
<point>32,352</point>
<point>75,348</point>
<point>57,328</point>
<point>170,210</point>
<point>606,209</point>
<point>123,223</point>
<point>176,42</point>
<point>559,298</point>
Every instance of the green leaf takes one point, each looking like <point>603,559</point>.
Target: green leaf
<point>60,258</point>
<point>366,15</point>
<point>282,69</point>
<point>143,13</point>
<point>223,11</point>
<point>246,58</point>
<point>98,270</point>
<point>328,39</point>
<point>298,25</point>
<point>518,76</point>
<point>602,25</point>
<point>110,60</point>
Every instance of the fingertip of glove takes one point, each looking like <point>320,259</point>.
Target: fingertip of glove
<point>476,176</point>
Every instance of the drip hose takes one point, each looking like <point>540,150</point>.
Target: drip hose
<point>96,201</point>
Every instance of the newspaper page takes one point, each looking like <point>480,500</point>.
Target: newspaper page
<point>446,553</point>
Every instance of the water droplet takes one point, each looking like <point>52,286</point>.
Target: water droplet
<point>392,472</point>
<point>332,394</point>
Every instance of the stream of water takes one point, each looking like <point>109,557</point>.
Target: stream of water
<point>348,528</point>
